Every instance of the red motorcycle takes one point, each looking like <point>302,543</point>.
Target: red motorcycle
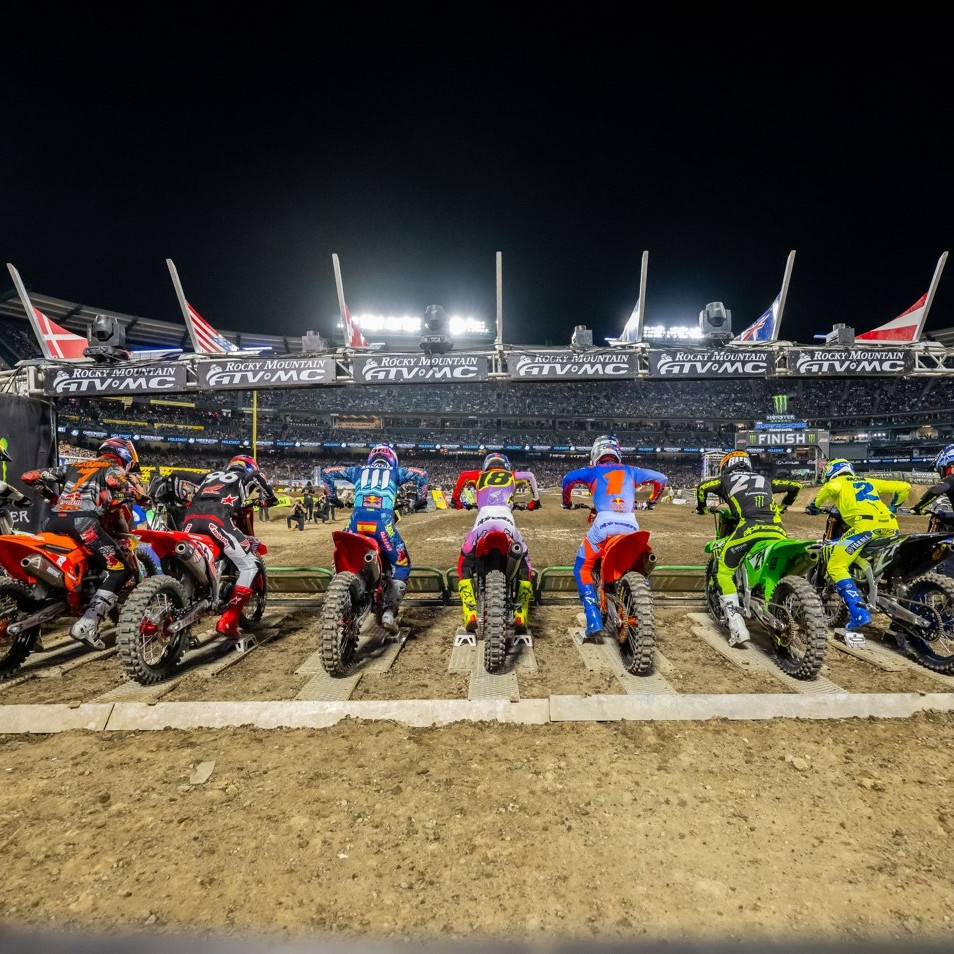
<point>621,579</point>
<point>361,578</point>
<point>156,621</point>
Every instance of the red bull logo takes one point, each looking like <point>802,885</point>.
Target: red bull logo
<point>618,505</point>
<point>371,500</point>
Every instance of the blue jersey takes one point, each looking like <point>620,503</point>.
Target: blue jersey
<point>613,486</point>
<point>375,488</point>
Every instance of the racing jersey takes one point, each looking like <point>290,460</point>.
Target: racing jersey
<point>229,490</point>
<point>750,497</point>
<point>858,499</point>
<point>375,488</point>
<point>943,488</point>
<point>89,487</point>
<point>613,486</point>
<point>494,488</point>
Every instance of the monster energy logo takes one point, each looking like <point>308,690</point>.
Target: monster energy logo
<point>781,403</point>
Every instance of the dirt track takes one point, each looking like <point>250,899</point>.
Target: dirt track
<point>627,830</point>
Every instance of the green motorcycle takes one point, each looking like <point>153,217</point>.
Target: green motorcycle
<point>773,589</point>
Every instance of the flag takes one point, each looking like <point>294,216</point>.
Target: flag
<point>905,329</point>
<point>57,342</point>
<point>205,339</point>
<point>631,330</point>
<point>353,336</point>
<point>765,326</point>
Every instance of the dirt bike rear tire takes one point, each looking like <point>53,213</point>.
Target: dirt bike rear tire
<point>492,619</point>
<point>338,624</point>
<point>638,618</point>
<point>254,609</point>
<point>713,603</point>
<point>16,602</point>
<point>936,651</point>
<point>800,648</point>
<point>836,612</point>
<point>149,657</point>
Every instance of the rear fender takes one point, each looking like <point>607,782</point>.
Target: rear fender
<point>767,562</point>
<point>354,552</point>
<point>57,548</point>
<point>625,552</point>
<point>497,550</point>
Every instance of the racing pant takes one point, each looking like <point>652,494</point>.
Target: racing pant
<point>235,544</point>
<point>605,524</point>
<point>105,554</point>
<point>739,543</point>
<point>840,554</point>
<point>380,525</point>
<point>490,518</point>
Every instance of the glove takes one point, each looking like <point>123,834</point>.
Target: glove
<point>917,511</point>
<point>533,505</point>
<point>568,506</point>
<point>469,506</point>
<point>812,509</point>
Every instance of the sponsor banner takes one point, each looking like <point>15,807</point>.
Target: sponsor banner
<point>572,365</point>
<point>849,361</point>
<point>115,379</point>
<point>249,374</point>
<point>714,363</point>
<point>418,369</point>
<point>27,428</point>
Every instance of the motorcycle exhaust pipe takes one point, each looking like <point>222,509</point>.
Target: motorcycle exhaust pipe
<point>517,550</point>
<point>192,560</point>
<point>42,569</point>
<point>371,561</point>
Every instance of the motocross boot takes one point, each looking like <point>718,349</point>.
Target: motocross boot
<point>86,628</point>
<point>521,616</point>
<point>392,600</point>
<point>468,604</point>
<point>228,624</point>
<point>738,631</point>
<point>858,614</point>
<point>594,616</point>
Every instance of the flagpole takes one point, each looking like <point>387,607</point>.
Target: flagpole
<point>783,294</point>
<point>255,426</point>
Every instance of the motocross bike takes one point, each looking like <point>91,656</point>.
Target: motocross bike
<point>497,559</point>
<point>621,580</point>
<point>773,585</point>
<point>48,576</point>
<point>155,623</point>
<point>361,578</point>
<point>897,576</point>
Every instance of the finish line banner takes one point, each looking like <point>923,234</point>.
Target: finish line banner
<point>849,361</point>
<point>685,363</point>
<point>250,374</point>
<point>419,369</point>
<point>571,365</point>
<point>92,381</point>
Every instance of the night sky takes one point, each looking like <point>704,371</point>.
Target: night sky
<point>250,151</point>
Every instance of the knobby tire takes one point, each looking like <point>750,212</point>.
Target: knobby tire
<point>16,602</point>
<point>931,596</point>
<point>492,617</point>
<point>638,620</point>
<point>338,624</point>
<point>799,647</point>
<point>149,653</point>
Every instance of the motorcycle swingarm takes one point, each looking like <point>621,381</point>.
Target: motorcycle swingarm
<point>41,616</point>
<point>191,615</point>
<point>897,612</point>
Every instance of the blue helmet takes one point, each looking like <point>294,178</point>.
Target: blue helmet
<point>838,468</point>
<point>243,462</point>
<point>382,455</point>
<point>496,461</point>
<point>123,450</point>
<point>944,460</point>
<point>605,447</point>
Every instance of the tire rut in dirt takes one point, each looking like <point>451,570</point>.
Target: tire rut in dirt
<point>16,602</point>
<point>637,613</point>
<point>338,627</point>
<point>149,653</point>
<point>492,617</point>
<point>931,596</point>
<point>800,646</point>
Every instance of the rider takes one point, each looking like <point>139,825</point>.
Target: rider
<point>376,485</point>
<point>944,465</point>
<point>84,495</point>
<point>174,491</point>
<point>496,485</point>
<point>217,511</point>
<point>9,495</point>
<point>755,516</point>
<point>612,485</point>
<point>858,501</point>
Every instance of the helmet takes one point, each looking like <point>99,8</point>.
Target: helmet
<point>735,460</point>
<point>496,461</point>
<point>944,460</point>
<point>243,462</point>
<point>604,447</point>
<point>382,455</point>
<point>838,468</point>
<point>123,450</point>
